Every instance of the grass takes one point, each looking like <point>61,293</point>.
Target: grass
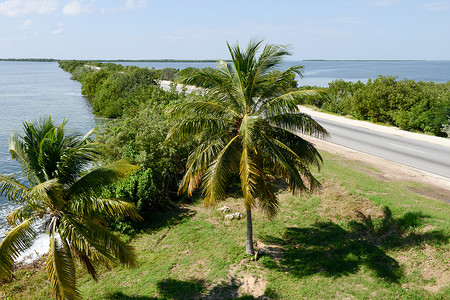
<point>358,238</point>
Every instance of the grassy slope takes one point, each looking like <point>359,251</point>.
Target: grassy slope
<point>313,249</point>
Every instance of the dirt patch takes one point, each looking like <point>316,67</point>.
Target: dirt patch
<point>273,251</point>
<point>251,285</point>
<point>429,262</point>
<point>434,186</point>
<point>337,204</point>
<point>240,283</point>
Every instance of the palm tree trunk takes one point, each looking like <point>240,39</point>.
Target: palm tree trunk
<point>249,243</point>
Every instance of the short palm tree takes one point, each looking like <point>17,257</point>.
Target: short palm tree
<point>65,194</point>
<point>248,127</point>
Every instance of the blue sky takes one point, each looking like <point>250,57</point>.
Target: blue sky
<point>199,29</point>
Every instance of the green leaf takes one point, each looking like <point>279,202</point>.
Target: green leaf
<point>17,240</point>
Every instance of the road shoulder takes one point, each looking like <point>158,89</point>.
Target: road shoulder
<point>380,128</point>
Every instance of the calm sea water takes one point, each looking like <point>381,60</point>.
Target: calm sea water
<point>29,90</point>
<point>320,73</point>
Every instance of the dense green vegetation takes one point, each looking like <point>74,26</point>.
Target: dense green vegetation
<point>137,132</point>
<point>410,105</point>
<point>64,191</point>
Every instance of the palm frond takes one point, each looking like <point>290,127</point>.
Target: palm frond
<point>247,167</point>
<point>267,199</point>
<point>278,85</point>
<point>12,188</point>
<point>82,242</point>
<point>74,160</point>
<point>92,182</point>
<point>202,108</point>
<point>90,207</point>
<point>49,191</point>
<point>283,157</point>
<point>21,214</point>
<point>18,152</point>
<point>218,173</point>
<point>17,240</point>
<point>282,104</point>
<point>298,123</point>
<point>247,174</point>
<point>271,57</point>
<point>88,236</point>
<point>189,128</point>
<point>61,270</point>
<point>87,136</point>
<point>304,149</point>
<point>199,160</point>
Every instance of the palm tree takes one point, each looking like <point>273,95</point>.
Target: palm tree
<point>248,127</point>
<point>65,194</point>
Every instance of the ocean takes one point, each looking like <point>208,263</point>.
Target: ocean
<point>30,90</point>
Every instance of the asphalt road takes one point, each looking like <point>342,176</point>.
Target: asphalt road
<point>417,154</point>
<point>424,156</point>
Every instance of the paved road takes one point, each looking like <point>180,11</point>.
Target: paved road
<point>417,154</point>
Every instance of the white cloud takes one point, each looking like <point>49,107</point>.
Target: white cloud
<point>58,31</point>
<point>135,4</point>
<point>74,8</point>
<point>382,3</point>
<point>435,6</point>
<point>13,8</point>
<point>27,24</point>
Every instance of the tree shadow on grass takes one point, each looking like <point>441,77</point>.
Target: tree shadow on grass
<point>122,296</point>
<point>159,220</point>
<point>197,289</point>
<point>331,250</point>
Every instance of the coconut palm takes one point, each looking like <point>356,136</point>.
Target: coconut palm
<point>248,127</point>
<point>64,193</point>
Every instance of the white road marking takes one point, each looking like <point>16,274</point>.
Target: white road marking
<point>407,148</point>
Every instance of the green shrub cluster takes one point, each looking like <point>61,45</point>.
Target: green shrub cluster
<point>410,105</point>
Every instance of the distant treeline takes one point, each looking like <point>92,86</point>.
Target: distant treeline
<point>29,59</point>
<point>111,60</point>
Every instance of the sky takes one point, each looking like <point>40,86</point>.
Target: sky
<point>200,29</point>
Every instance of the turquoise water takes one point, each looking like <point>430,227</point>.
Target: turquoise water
<point>29,90</point>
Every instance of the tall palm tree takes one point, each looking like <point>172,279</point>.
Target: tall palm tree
<point>248,127</point>
<point>65,194</point>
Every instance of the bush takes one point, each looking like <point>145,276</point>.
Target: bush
<point>410,105</point>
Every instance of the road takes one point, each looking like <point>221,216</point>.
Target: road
<point>417,154</point>
<point>430,157</point>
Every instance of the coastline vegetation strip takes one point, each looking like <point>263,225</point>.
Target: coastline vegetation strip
<point>342,238</point>
<point>410,105</point>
